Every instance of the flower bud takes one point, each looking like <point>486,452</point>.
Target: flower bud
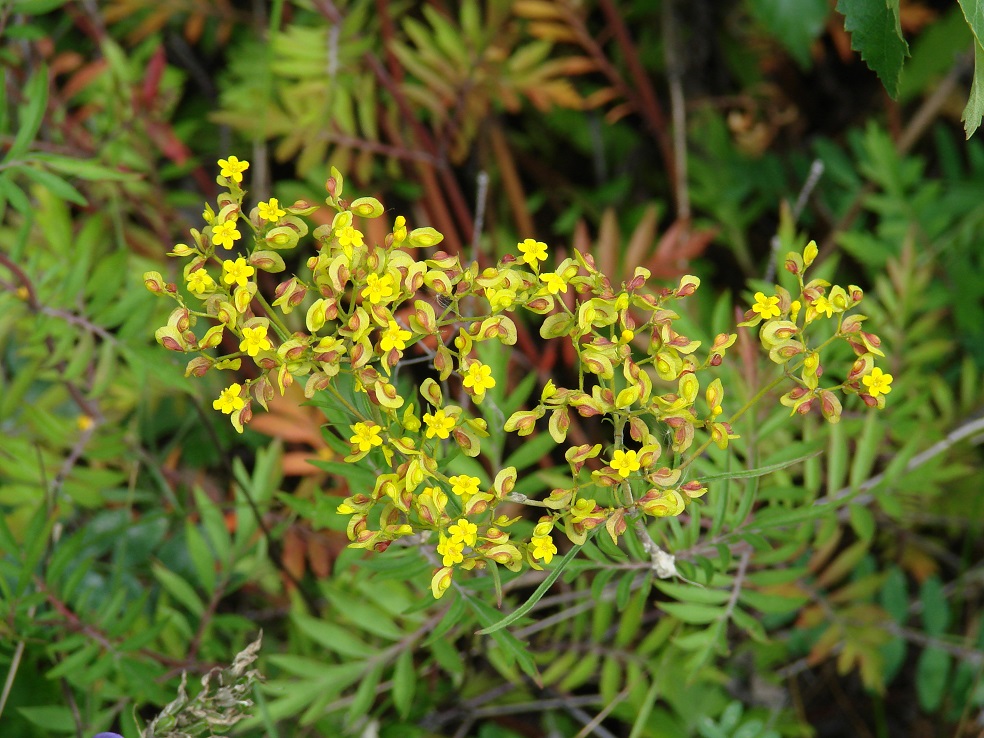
<point>154,282</point>
<point>810,253</point>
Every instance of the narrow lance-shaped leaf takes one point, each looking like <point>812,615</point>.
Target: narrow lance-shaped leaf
<point>535,597</point>
<point>760,471</point>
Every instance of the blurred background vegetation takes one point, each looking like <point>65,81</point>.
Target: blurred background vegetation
<point>140,537</point>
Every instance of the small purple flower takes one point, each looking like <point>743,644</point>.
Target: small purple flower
<point>107,735</point>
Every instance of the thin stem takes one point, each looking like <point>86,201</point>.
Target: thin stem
<point>758,396</point>
<point>272,315</point>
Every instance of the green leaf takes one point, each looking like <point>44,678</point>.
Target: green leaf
<point>449,620</point>
<point>366,616</point>
<point>794,23</point>
<point>895,595</point>
<point>544,587</point>
<point>877,35</point>
<point>365,695</point>
<point>693,614</point>
<point>932,673</point>
<point>214,524</point>
<point>404,683</point>
<point>932,54</point>
<point>936,610</point>
<point>642,719</point>
<point>866,450</point>
<point>531,451</point>
<point>54,183</point>
<point>333,637</point>
<point>974,110</point>
<point>31,113</point>
<point>862,520</point>
<point>691,593</point>
<point>771,604</point>
<point>37,7</point>
<point>53,718</point>
<point>759,471</point>
<point>178,588</point>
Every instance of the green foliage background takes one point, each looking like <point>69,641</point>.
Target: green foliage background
<point>141,538</point>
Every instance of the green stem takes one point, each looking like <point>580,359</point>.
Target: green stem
<point>274,318</point>
<point>348,405</point>
<point>758,396</point>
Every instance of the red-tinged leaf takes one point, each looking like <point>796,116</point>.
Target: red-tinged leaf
<point>678,246</point>
<point>152,78</point>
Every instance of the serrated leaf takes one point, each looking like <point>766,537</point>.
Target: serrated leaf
<point>876,34</point>
<point>974,110</point>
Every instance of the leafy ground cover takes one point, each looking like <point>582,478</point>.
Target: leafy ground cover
<point>815,578</point>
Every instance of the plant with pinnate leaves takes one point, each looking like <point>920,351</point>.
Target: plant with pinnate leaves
<point>367,305</point>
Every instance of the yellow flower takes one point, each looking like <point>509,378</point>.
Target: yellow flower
<point>349,237</point>
<point>399,229</point>
<point>533,252</point>
<point>794,310</point>
<point>237,272</point>
<point>225,234</point>
<point>767,307</point>
<point>464,486</point>
<point>625,462</point>
<point>465,531</point>
<point>271,210</point>
<point>823,306</point>
<point>394,337</point>
<point>500,299</point>
<point>378,289</point>
<point>451,550</point>
<point>439,424</point>
<point>200,282</point>
<point>365,436</point>
<point>878,383</point>
<point>229,400</point>
<point>232,168</point>
<point>543,548</point>
<point>255,340</point>
<point>479,377</point>
<point>554,283</point>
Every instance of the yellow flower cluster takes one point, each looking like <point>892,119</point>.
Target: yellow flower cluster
<point>786,334</point>
<point>346,327</point>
